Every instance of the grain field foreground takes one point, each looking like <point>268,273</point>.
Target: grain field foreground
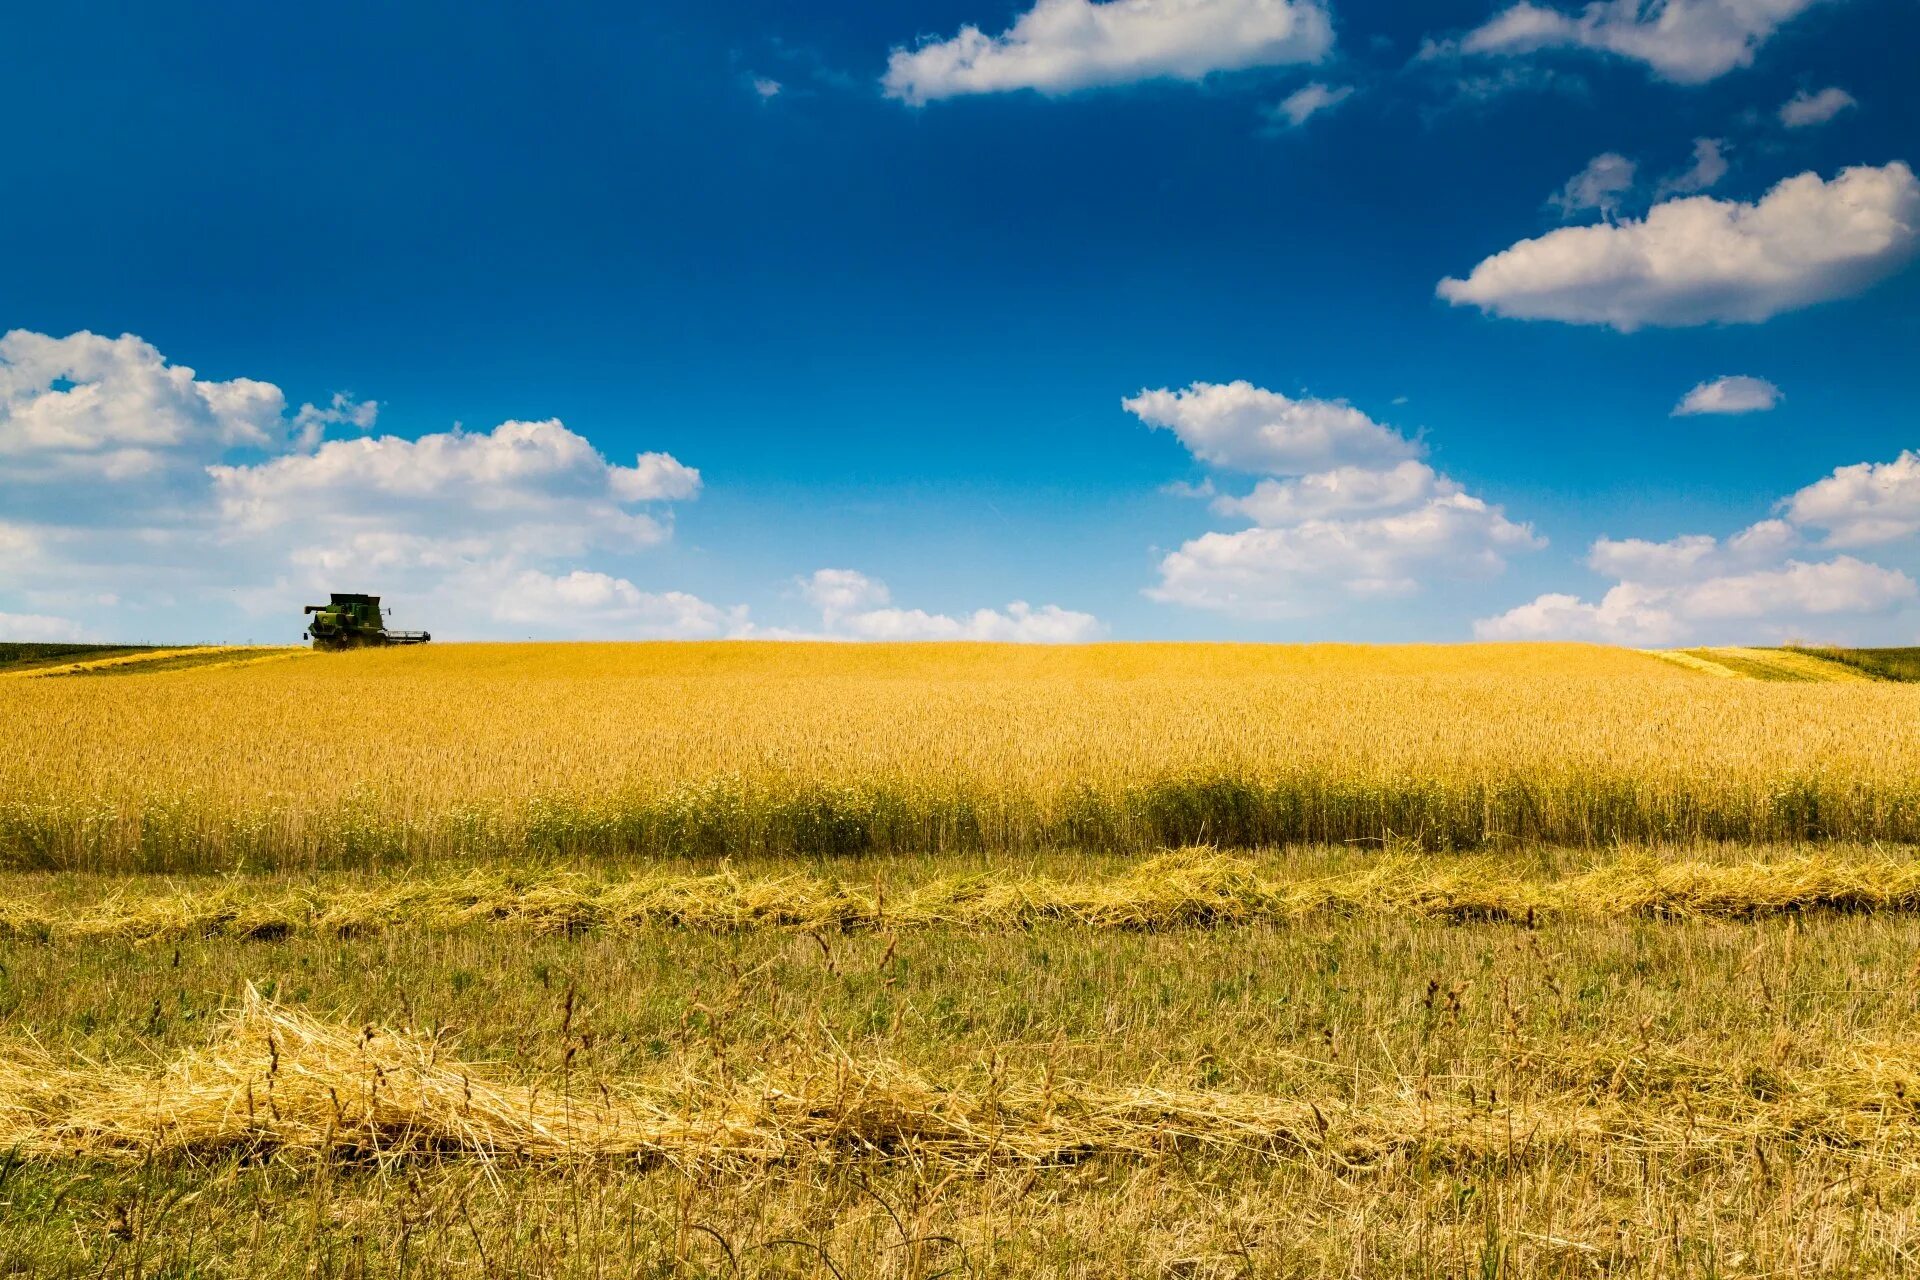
<point>605,751</point>
<point>1377,1094</point>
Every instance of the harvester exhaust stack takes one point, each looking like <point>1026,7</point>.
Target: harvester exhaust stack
<point>355,622</point>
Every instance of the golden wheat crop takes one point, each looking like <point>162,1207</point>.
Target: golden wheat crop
<point>602,749</point>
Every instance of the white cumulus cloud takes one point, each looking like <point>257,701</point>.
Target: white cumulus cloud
<point>838,592</point>
<point>311,423</point>
<point>1771,602</point>
<point>524,487</point>
<point>1805,109</point>
<point>1863,504</point>
<point>1343,491</point>
<point>114,408</point>
<point>591,603</point>
<point>1247,428</point>
<point>1685,41</point>
<point>1693,557</point>
<point>1309,567</point>
<point>1773,580</point>
<point>138,488</point>
<point>1701,260</point>
<point>1736,393</point>
<point>854,606</point>
<point>1347,510</point>
<point>1062,45</point>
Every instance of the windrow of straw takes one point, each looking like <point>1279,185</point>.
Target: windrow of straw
<point>1184,888</point>
<point>276,1081</point>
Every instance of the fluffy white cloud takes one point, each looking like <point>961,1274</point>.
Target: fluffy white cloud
<point>1708,167</point>
<point>1840,585</point>
<point>1344,491</point>
<point>854,606</point>
<point>1623,616</point>
<point>524,488</point>
<point>1306,568</point>
<point>1599,187</point>
<point>1609,177</point>
<point>1804,109</point>
<point>131,484</point>
<point>1062,45</point>
<point>1019,624</point>
<point>837,592</point>
<point>1686,41</point>
<point>1308,100</point>
<point>311,423</point>
<point>1349,511</point>
<point>599,604</point>
<point>40,628</point>
<point>1867,503</point>
<point>1763,582</point>
<point>1248,428</point>
<point>113,408</point>
<point>1700,260</point>
<point>1773,601</point>
<point>1692,557</point>
<point>1733,394</point>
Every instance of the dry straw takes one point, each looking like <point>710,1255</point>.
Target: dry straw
<point>278,1082</point>
<point>1185,888</point>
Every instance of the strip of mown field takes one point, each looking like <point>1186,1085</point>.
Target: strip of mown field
<point>1372,1095</point>
<point>1779,666</point>
<point>19,656</point>
<point>99,661</point>
<point>1881,664</point>
<point>1184,889</point>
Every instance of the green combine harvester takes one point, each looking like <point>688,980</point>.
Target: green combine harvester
<point>355,622</point>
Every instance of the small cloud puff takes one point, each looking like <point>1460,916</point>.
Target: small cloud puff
<point>1059,46</point>
<point>1805,109</point>
<point>1732,394</point>
<point>1307,101</point>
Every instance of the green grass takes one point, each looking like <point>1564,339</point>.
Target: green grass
<point>1676,1020</point>
<point>1883,664</point>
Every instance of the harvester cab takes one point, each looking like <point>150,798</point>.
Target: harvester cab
<point>352,621</point>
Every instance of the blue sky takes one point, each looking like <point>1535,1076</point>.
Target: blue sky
<point>883,276</point>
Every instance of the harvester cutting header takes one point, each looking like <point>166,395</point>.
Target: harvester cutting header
<point>355,622</point>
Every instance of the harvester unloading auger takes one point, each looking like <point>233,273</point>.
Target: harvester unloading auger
<point>355,622</point>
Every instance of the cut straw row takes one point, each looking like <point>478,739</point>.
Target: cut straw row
<point>277,1081</point>
<point>1187,888</point>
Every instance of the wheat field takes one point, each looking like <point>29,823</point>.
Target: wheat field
<point>904,962</point>
<point>598,751</point>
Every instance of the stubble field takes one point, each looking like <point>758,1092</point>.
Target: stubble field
<point>755,960</point>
